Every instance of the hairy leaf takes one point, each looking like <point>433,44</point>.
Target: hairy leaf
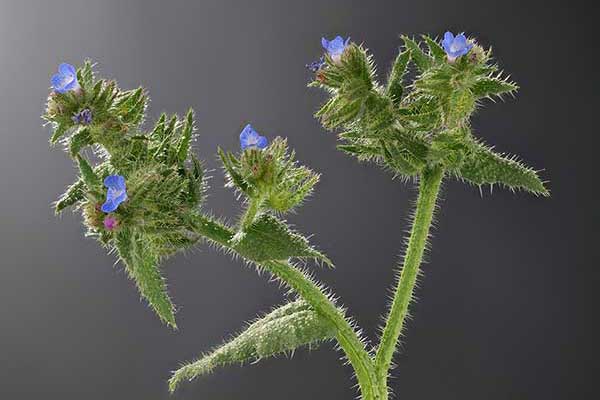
<point>186,137</point>
<point>60,129</point>
<point>89,177</point>
<point>79,140</point>
<point>435,50</point>
<point>141,264</point>
<point>486,87</point>
<point>75,193</point>
<point>482,166</point>
<point>421,59</point>
<point>395,87</point>
<point>268,238</point>
<point>283,330</point>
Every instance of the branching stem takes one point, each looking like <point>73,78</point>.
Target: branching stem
<point>347,337</point>
<point>428,192</point>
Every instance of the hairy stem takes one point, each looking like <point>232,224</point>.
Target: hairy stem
<point>252,209</point>
<point>428,192</point>
<point>311,292</point>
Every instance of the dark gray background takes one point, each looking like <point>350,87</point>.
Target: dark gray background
<point>506,308</point>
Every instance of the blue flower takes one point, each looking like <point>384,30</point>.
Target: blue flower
<point>250,138</point>
<point>316,65</point>
<point>335,47</point>
<point>83,117</point>
<point>455,46</point>
<point>66,79</point>
<point>116,193</point>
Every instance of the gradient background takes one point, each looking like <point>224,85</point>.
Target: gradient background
<point>506,308</point>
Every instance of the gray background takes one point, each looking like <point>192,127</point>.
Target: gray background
<point>506,308</point>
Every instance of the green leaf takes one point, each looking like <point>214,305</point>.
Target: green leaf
<point>421,60</point>
<point>107,95</point>
<point>459,107</point>
<point>398,160</point>
<point>171,127</point>
<point>283,330</point>
<point>60,129</point>
<point>89,177</point>
<point>159,128</point>
<point>186,137</point>
<point>85,75</point>
<point>75,193</point>
<point>141,264</point>
<point>482,166</point>
<point>82,138</point>
<point>231,166</point>
<point>487,87</point>
<point>423,114</point>
<point>435,50</point>
<point>268,238</point>
<point>395,87</point>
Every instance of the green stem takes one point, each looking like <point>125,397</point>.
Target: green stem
<point>428,192</point>
<point>253,208</point>
<point>347,337</point>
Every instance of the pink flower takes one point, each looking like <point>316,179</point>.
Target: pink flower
<point>110,222</point>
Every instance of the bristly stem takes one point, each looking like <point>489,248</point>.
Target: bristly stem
<point>347,337</point>
<point>428,192</point>
<point>254,205</point>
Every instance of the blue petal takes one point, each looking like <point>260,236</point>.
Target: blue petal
<point>109,206</point>
<point>336,46</point>
<point>447,42</point>
<point>324,43</point>
<point>248,131</point>
<point>248,137</point>
<point>58,83</point>
<point>121,182</point>
<point>262,142</point>
<point>67,69</point>
<point>461,40</point>
<point>73,84</point>
<point>121,198</point>
<point>115,182</point>
<point>338,41</point>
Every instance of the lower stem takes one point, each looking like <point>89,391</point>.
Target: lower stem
<point>428,191</point>
<point>346,336</point>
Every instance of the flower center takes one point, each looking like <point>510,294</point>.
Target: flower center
<point>455,46</point>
